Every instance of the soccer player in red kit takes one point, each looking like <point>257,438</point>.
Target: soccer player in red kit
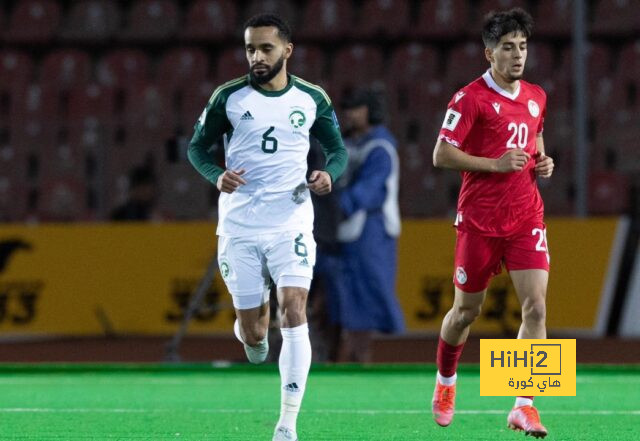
<point>492,133</point>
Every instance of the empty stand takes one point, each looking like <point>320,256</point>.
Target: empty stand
<point>616,17</point>
<point>383,18</point>
<point>211,20</point>
<point>151,20</point>
<point>442,19</point>
<point>326,20</point>
<point>553,18</point>
<point>33,21</point>
<point>92,21</point>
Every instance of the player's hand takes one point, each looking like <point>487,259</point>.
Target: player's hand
<point>544,166</point>
<point>320,182</point>
<point>513,160</point>
<point>230,180</point>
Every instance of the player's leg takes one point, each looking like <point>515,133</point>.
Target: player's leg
<point>477,259</point>
<point>453,335</point>
<point>527,260</point>
<point>243,273</point>
<point>290,259</point>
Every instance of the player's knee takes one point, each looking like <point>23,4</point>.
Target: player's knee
<point>466,315</point>
<point>534,311</point>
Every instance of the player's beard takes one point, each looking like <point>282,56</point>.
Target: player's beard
<point>269,75</point>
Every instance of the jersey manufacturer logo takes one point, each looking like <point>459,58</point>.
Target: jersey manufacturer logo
<point>247,116</point>
<point>297,119</point>
<point>534,110</point>
<point>461,275</point>
<point>496,106</point>
<point>459,96</point>
<point>304,262</point>
<point>451,119</point>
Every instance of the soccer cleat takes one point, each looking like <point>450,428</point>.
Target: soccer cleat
<point>255,354</point>
<point>443,404</point>
<point>526,418</point>
<point>284,434</point>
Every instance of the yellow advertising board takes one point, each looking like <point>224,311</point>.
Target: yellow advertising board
<point>580,254</point>
<point>87,279</point>
<point>92,279</point>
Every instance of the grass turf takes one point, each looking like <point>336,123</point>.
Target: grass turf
<point>199,402</point>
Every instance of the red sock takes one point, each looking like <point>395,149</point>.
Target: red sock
<point>447,357</point>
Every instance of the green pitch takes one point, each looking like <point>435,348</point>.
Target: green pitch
<point>198,402</point>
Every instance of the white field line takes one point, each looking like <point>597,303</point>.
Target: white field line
<point>316,411</point>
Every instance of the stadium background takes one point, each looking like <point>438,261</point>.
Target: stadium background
<point>91,89</point>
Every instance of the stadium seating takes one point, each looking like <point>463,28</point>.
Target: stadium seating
<point>354,65</point>
<point>442,19</point>
<point>284,8</point>
<point>382,18</point>
<point>308,63</point>
<point>553,18</point>
<point>210,20</point>
<point>65,68</point>
<point>540,62</point>
<point>33,21</point>
<point>124,68</point>
<point>608,193</point>
<point>183,194</point>
<point>466,63</point>
<point>616,17</point>
<point>151,20</point>
<point>232,63</point>
<point>91,21</point>
<point>327,20</point>
<point>181,67</point>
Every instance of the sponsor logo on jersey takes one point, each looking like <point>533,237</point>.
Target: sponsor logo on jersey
<point>461,275</point>
<point>247,116</point>
<point>451,119</point>
<point>534,110</point>
<point>459,96</point>
<point>297,119</point>
<point>496,106</point>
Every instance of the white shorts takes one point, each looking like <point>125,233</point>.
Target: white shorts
<point>248,263</point>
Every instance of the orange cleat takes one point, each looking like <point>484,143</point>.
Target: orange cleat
<point>526,418</point>
<point>443,404</point>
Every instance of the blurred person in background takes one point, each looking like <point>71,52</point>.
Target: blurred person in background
<point>141,197</point>
<point>368,201</point>
<point>492,133</point>
<point>265,212</point>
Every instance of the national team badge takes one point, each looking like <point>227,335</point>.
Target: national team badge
<point>534,110</point>
<point>224,269</point>
<point>461,275</point>
<point>297,119</point>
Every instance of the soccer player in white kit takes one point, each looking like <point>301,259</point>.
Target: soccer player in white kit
<point>265,213</point>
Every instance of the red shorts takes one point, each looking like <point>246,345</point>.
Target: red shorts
<point>479,258</point>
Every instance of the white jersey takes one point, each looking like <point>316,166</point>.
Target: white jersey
<point>267,135</point>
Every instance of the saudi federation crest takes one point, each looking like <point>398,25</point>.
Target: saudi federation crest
<point>534,110</point>
<point>297,119</point>
<point>224,269</point>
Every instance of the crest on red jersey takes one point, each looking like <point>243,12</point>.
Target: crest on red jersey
<point>534,110</point>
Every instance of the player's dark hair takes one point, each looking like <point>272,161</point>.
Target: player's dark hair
<point>267,19</point>
<point>497,24</point>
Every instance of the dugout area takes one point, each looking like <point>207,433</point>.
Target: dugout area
<point>240,402</point>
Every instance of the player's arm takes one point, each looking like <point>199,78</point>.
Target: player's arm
<point>544,163</point>
<point>213,123</point>
<point>446,155</point>
<point>327,130</point>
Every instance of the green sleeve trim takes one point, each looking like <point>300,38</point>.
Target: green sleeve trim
<point>326,129</point>
<point>211,125</point>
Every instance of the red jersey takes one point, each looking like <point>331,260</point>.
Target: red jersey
<point>485,120</point>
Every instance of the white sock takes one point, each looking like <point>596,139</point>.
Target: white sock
<point>521,401</point>
<point>295,361</point>
<point>447,381</point>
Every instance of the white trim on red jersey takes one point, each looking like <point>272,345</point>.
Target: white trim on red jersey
<point>493,85</point>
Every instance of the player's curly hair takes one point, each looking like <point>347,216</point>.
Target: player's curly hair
<point>497,24</point>
<point>267,19</point>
